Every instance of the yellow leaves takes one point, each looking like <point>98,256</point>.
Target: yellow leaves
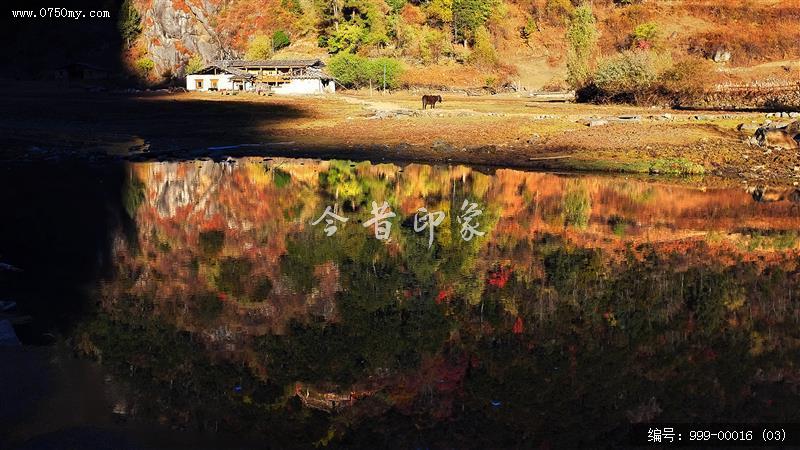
<point>259,47</point>
<point>439,11</point>
<point>734,302</point>
<point>756,343</point>
<point>509,305</point>
<point>257,175</point>
<point>734,299</point>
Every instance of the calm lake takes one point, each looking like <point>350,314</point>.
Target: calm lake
<point>518,309</point>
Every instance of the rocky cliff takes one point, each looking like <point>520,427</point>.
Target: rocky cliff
<point>174,30</point>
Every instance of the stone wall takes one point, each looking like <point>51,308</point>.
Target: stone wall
<point>764,96</point>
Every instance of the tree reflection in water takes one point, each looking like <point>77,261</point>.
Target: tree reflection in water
<point>589,304</point>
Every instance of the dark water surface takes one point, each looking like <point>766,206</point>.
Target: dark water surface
<point>197,302</point>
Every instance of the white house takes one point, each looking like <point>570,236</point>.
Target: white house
<point>296,76</point>
<point>219,78</point>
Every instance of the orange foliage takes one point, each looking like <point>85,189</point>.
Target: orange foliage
<point>181,5</point>
<point>412,14</point>
<point>243,19</point>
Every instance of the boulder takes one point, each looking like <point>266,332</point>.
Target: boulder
<point>751,127</point>
<point>597,123</point>
<point>441,145</point>
<point>722,55</point>
<point>628,119</point>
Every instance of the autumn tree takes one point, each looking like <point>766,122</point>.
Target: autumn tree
<point>581,39</point>
<point>260,47</point>
<point>469,15</point>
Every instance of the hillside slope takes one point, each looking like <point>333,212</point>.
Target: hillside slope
<point>470,42</point>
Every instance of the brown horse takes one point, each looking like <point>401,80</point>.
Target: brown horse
<point>786,137</point>
<point>431,100</point>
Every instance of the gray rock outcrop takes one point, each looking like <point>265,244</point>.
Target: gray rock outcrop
<point>173,33</point>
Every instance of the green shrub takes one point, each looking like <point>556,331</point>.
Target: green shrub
<point>432,44</point>
<point>645,35</point>
<point>357,71</point>
<point>134,196</point>
<point>648,77</point>
<point>347,68</point>
<point>528,30</point>
<point>626,73</point>
<point>280,40</point>
<point>348,38</point>
<point>393,70</point>
<point>195,64</point>
<point>145,65</point>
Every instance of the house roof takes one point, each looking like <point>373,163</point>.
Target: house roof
<point>237,73</point>
<point>272,63</point>
<point>311,71</point>
<point>312,74</point>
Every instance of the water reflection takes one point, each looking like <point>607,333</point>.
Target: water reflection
<point>590,303</point>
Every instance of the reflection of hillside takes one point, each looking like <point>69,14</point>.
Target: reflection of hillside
<point>254,208</point>
<point>603,278</point>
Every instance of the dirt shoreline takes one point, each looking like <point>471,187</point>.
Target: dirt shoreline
<point>492,131</point>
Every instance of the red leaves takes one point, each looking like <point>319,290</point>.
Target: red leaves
<point>518,326</point>
<point>444,295</point>
<point>500,278</point>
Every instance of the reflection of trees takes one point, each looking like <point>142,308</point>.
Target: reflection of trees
<point>577,206</point>
<point>608,320</point>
